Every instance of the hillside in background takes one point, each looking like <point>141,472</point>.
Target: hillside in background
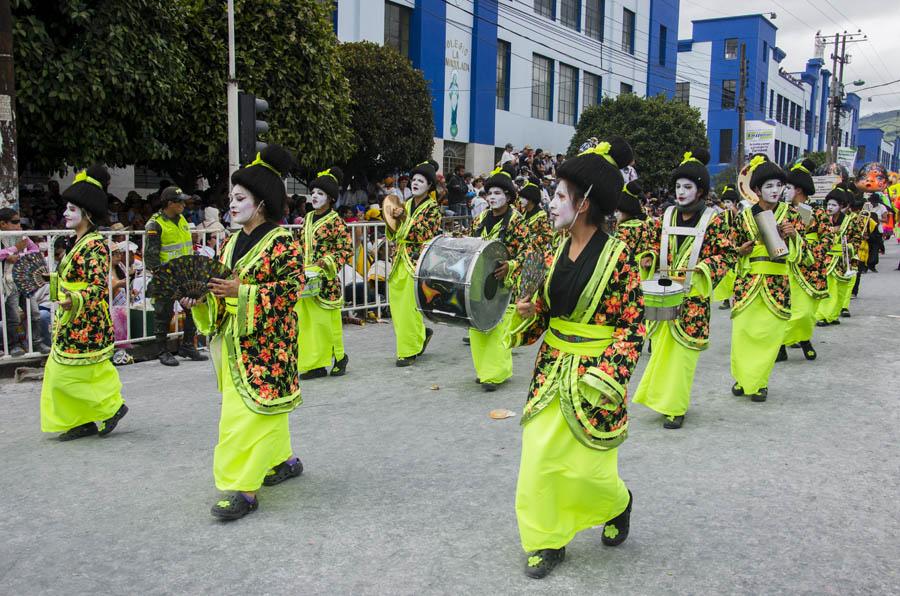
<point>889,122</point>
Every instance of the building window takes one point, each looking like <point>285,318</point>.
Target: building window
<point>731,48</point>
<point>503,56</point>
<point>778,110</point>
<point>593,87</point>
<point>777,149</point>
<point>396,27</point>
<point>807,121</point>
<point>862,153</point>
<point>725,139</point>
<point>454,155</point>
<point>663,38</point>
<point>625,89</point>
<point>765,51</point>
<point>544,7</point>
<point>568,94</point>
<point>570,14</point>
<point>762,97</point>
<point>771,103</point>
<point>542,88</point>
<point>593,19</point>
<point>683,92</point>
<point>627,31</point>
<point>728,89</point>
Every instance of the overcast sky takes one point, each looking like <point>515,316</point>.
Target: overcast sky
<point>874,61</point>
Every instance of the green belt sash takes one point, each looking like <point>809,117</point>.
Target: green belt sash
<point>582,339</point>
<point>762,264</point>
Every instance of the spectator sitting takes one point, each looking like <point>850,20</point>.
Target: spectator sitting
<point>403,187</point>
<point>11,249</point>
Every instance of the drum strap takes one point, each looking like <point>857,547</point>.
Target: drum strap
<point>696,233</point>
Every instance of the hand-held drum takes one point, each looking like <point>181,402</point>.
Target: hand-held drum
<point>662,299</point>
<point>455,282</point>
<point>768,229</point>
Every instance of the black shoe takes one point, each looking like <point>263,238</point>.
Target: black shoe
<point>835,322</point>
<point>233,507</point>
<point>541,563</point>
<point>674,421</point>
<point>822,323</point>
<point>85,430</point>
<point>340,367</point>
<point>468,341</point>
<point>845,313</point>
<point>725,306</point>
<point>795,346</point>
<point>873,269</point>
<point>167,359</point>
<point>316,373</point>
<point>760,395</point>
<point>109,425</point>
<point>490,387</point>
<point>190,352</point>
<point>477,381</point>
<point>737,390</point>
<point>808,351</point>
<point>428,333</point>
<point>282,472</point>
<point>408,361</point>
<point>615,531</point>
<point>782,354</point>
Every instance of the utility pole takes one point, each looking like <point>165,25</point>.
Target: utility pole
<point>742,105</point>
<point>9,163</point>
<point>234,160</point>
<point>836,101</point>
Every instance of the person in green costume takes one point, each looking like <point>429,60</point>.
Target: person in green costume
<point>540,232</point>
<point>575,415</point>
<point>419,222</point>
<point>700,253</point>
<point>492,359</point>
<point>762,290</point>
<point>808,277</point>
<point>634,229</point>
<point>254,347</point>
<point>81,394</point>
<point>723,292</point>
<point>326,249</point>
<point>839,268</point>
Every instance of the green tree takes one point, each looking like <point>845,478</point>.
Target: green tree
<point>659,130</point>
<point>391,117</point>
<point>97,80</point>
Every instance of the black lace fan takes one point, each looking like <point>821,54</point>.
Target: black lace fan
<point>30,273</point>
<point>531,274</point>
<point>185,277</point>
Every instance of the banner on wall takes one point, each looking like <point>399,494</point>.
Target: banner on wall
<point>759,137</point>
<point>823,185</point>
<point>846,156</point>
<point>458,73</point>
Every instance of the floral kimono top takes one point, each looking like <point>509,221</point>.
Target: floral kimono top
<point>84,333</point>
<point>757,273</point>
<point>327,238</point>
<point>422,224</point>
<point>811,272</point>
<point>259,327</point>
<point>514,235</point>
<point>540,232</point>
<point>588,355</point>
<point>847,228</point>
<point>637,234</point>
<point>718,256</point>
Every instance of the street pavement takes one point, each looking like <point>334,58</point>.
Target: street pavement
<point>409,486</point>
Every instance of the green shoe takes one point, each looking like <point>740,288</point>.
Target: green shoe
<point>674,421</point>
<point>541,563</point>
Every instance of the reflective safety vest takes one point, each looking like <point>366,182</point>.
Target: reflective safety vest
<point>175,238</point>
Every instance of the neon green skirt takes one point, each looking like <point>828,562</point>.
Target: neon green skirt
<point>725,289</point>
<point>250,444</point>
<point>492,360</point>
<point>839,292</point>
<point>803,314</point>
<point>320,335</point>
<point>847,292</point>
<point>408,325</point>
<point>756,336</point>
<point>666,384</point>
<point>75,395</point>
<point>564,487</point>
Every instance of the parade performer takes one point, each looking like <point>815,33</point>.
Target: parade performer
<point>420,221</point>
<point>81,394</point>
<point>492,359</point>
<point>724,291</point>
<point>251,316</point>
<point>326,249</point>
<point>575,415</point>
<point>169,237</point>
<point>762,290</point>
<point>839,268</point>
<point>634,229</point>
<point>540,232</point>
<point>808,276</point>
<point>700,252</point>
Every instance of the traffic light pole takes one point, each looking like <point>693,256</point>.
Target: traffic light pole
<point>233,147</point>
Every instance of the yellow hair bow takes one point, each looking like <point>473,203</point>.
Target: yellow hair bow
<point>756,162</point>
<point>500,170</point>
<point>83,177</point>
<point>327,173</point>
<point>628,192</point>
<point>800,167</point>
<point>259,162</point>
<point>689,156</point>
<point>726,188</point>
<point>601,149</point>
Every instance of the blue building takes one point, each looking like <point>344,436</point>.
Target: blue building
<point>874,146</point>
<point>520,71</point>
<point>786,111</point>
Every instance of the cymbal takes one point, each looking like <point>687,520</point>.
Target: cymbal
<point>743,184</point>
<point>387,209</point>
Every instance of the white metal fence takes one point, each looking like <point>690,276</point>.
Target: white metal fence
<point>26,327</point>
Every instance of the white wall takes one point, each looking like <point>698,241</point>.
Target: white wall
<point>362,20</point>
<point>694,68</point>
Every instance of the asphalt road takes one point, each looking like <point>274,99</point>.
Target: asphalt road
<point>409,489</point>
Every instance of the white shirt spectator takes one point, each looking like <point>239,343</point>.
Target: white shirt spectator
<point>479,204</point>
<point>507,156</point>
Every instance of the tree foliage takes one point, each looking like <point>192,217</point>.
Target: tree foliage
<point>391,117</point>
<point>97,80</point>
<point>659,130</point>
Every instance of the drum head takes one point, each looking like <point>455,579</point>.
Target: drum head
<point>487,297</point>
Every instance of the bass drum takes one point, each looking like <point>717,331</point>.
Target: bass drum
<point>455,282</point>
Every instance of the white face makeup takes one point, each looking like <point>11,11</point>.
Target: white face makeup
<point>771,190</point>
<point>562,210</point>
<point>523,202</point>
<point>620,217</point>
<point>496,198</point>
<point>418,185</point>
<point>241,206</point>
<point>728,204</point>
<point>72,216</point>
<point>685,192</point>
<point>318,198</point>
<point>789,191</point>
<point>832,207</point>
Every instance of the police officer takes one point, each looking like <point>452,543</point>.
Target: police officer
<point>168,237</point>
